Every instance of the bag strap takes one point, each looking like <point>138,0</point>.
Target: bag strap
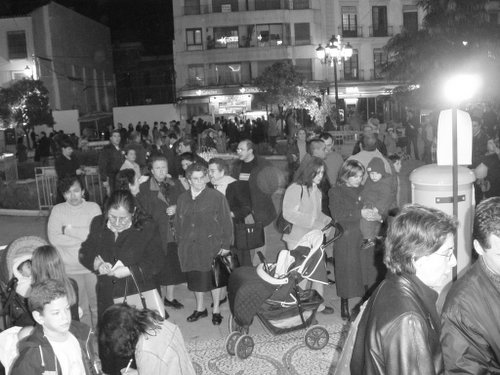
<point>141,296</point>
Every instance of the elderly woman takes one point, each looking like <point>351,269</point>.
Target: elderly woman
<point>204,228</point>
<point>399,330</point>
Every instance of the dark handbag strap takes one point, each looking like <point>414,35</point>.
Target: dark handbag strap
<point>141,296</point>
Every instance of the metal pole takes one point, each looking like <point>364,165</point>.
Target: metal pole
<point>454,181</point>
<point>337,114</point>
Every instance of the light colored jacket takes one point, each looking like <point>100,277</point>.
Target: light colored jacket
<point>302,208</point>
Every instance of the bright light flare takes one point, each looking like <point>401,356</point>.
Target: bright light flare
<point>461,87</point>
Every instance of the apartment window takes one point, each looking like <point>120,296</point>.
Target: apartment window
<point>349,21</point>
<point>493,18</point>
<point>267,4</point>
<point>304,67</point>
<point>224,6</point>
<point>410,18</point>
<point>302,33</point>
<point>16,43</point>
<point>269,35</point>
<point>191,7</point>
<point>379,61</point>
<point>193,39</point>
<point>196,75</point>
<point>228,74</point>
<point>379,20</point>
<point>351,66</point>
<point>226,37</point>
<point>301,4</point>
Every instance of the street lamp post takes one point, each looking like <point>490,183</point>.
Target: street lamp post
<point>457,90</point>
<point>334,52</point>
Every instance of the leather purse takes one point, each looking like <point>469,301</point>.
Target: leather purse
<point>149,299</point>
<point>249,236</point>
<point>222,266</point>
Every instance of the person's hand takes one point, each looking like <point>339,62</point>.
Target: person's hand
<point>104,268</point>
<point>294,157</point>
<point>171,210</point>
<point>120,272</point>
<point>65,228</point>
<point>143,179</point>
<point>223,252</point>
<point>367,214</point>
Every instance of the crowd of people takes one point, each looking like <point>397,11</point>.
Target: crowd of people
<point>169,212</point>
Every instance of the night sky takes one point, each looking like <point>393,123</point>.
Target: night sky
<point>148,21</point>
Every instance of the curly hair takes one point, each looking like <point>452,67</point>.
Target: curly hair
<point>416,232</point>
<point>487,221</point>
<point>124,179</point>
<point>121,326</point>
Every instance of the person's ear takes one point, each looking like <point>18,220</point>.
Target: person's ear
<point>38,317</point>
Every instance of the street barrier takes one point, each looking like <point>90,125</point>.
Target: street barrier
<point>46,186</point>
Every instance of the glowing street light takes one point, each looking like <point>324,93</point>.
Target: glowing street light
<point>333,54</point>
<point>457,90</point>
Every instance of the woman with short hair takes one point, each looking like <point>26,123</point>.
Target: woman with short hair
<point>399,330</point>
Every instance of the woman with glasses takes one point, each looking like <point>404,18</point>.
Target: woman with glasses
<point>400,327</point>
<point>122,241</point>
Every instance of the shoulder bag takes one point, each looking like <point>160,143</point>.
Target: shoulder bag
<point>149,299</point>
<point>249,236</point>
<point>222,266</point>
<point>282,224</point>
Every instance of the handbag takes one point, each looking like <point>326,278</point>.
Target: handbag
<point>149,299</point>
<point>249,235</point>
<point>283,225</point>
<point>222,266</point>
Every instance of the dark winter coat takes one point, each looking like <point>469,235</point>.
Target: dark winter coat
<point>470,335</point>
<point>203,227</point>
<point>262,203</point>
<point>138,249</point>
<point>399,331</point>
<point>110,162</point>
<point>353,268</point>
<point>37,357</point>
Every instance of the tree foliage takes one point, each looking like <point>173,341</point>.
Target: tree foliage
<point>456,37</point>
<point>283,86</point>
<point>26,102</point>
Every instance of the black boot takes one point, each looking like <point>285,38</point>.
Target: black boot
<point>344,309</point>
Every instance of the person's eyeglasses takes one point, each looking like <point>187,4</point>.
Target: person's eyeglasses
<point>119,219</point>
<point>448,255</point>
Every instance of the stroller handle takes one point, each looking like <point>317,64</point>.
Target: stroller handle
<point>339,231</point>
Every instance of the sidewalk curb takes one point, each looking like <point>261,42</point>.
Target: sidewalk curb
<point>13,212</point>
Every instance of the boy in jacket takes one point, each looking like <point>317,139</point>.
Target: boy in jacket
<point>56,345</point>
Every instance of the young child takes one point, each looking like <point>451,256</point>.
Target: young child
<point>377,195</point>
<point>56,345</point>
<point>22,271</point>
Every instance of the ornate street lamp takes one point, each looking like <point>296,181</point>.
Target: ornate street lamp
<point>334,53</point>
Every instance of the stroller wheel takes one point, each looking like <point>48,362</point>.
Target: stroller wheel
<point>244,347</point>
<point>231,342</point>
<point>316,337</point>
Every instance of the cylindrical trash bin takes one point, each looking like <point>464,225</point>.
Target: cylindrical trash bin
<point>432,186</point>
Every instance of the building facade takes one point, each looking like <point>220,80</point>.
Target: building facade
<point>70,53</point>
<point>221,46</point>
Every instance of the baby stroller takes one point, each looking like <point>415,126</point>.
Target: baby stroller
<point>14,285</point>
<point>271,292</point>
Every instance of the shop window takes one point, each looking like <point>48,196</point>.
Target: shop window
<point>193,39</point>
<point>16,43</point>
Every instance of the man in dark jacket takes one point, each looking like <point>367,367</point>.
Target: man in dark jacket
<point>56,345</point>
<point>399,330</point>
<point>263,180</point>
<point>470,332</point>
<point>111,159</point>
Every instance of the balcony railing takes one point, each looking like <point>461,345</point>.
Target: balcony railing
<point>347,33</point>
<point>298,4</point>
<point>376,74</point>
<point>353,75</point>
<point>381,31</point>
<point>195,9</point>
<point>403,29</point>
